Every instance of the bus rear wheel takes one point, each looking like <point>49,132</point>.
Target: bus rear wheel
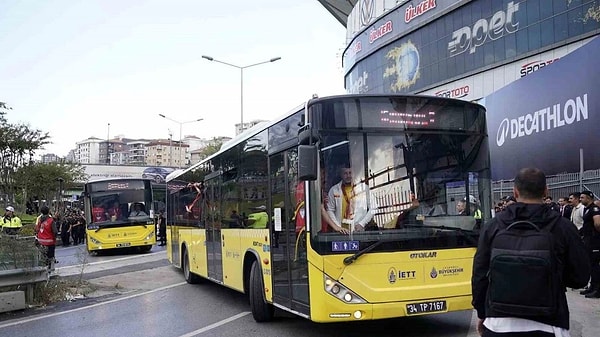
<point>261,310</point>
<point>190,277</point>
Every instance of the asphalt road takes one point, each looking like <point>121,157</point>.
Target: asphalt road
<point>142,295</point>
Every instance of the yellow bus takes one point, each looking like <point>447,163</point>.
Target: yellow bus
<point>348,208</point>
<point>119,213</point>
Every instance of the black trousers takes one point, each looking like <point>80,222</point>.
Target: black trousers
<point>595,270</point>
<point>490,333</point>
<point>162,233</point>
<point>48,252</point>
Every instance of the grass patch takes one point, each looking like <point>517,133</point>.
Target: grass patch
<point>61,289</point>
<point>27,219</point>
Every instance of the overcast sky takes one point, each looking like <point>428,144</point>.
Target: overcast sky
<point>73,67</point>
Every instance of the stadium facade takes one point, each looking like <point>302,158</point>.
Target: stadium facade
<point>461,49</point>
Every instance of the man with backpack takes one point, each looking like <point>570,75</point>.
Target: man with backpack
<point>526,257</point>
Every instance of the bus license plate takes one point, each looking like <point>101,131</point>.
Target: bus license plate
<point>425,307</point>
<point>127,244</point>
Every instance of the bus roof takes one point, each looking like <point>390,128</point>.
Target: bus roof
<point>247,134</point>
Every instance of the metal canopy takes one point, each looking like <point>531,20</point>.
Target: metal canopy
<point>340,9</point>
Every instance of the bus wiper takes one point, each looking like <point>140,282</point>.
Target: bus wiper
<point>348,260</point>
<point>466,233</point>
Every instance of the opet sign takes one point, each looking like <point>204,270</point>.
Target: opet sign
<point>469,38</point>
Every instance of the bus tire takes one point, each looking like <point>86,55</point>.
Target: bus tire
<point>261,310</point>
<point>190,277</point>
<point>145,249</point>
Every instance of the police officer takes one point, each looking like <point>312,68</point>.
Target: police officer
<point>10,223</point>
<point>591,240</point>
<point>473,209</point>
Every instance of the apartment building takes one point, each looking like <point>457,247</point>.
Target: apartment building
<point>88,151</point>
<point>166,152</point>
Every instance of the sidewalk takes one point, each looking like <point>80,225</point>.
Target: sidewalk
<point>585,315</point>
<point>128,282</point>
<point>93,267</point>
<point>132,282</point>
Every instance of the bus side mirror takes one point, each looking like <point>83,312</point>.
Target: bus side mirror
<point>306,135</point>
<point>307,162</point>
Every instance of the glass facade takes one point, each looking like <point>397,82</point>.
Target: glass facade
<point>478,35</point>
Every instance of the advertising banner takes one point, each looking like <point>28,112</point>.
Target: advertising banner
<point>97,172</point>
<point>544,119</point>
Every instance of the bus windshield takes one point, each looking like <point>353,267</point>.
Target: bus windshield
<point>120,202</point>
<point>405,174</point>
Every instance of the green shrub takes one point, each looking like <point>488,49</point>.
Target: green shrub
<point>18,252</point>
<point>27,219</point>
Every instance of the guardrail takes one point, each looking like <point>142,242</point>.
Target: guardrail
<point>20,265</point>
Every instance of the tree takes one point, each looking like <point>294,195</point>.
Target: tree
<point>18,143</point>
<point>41,180</point>
<point>213,146</point>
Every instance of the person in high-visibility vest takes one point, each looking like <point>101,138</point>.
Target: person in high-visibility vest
<point>474,208</point>
<point>11,224</point>
<point>46,236</point>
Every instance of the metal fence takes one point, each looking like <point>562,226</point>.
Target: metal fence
<point>559,185</point>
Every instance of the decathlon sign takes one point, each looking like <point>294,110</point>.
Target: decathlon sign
<point>546,118</point>
<point>573,111</point>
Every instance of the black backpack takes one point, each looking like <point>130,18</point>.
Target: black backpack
<point>525,274</point>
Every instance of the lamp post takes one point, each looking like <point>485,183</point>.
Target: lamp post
<point>241,68</point>
<point>108,145</point>
<point>180,128</point>
<point>171,148</point>
<point>59,204</point>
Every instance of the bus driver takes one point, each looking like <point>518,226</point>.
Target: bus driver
<point>349,205</point>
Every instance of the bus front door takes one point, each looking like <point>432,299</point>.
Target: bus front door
<point>288,248</point>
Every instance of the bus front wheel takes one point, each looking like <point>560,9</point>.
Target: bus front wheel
<point>190,277</point>
<point>261,310</point>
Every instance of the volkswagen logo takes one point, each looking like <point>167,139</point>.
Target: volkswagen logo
<point>502,132</point>
<point>367,10</point>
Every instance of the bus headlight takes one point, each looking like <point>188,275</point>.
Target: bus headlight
<point>149,236</point>
<point>339,291</point>
<point>94,241</point>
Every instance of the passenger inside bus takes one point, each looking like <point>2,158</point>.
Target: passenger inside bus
<point>115,212</point>
<point>259,218</point>
<point>138,210</point>
<point>98,212</point>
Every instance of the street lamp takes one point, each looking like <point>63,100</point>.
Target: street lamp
<point>180,127</point>
<point>59,204</point>
<point>108,145</point>
<point>241,68</point>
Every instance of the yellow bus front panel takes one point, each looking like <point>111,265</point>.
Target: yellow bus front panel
<point>121,237</point>
<point>386,285</point>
